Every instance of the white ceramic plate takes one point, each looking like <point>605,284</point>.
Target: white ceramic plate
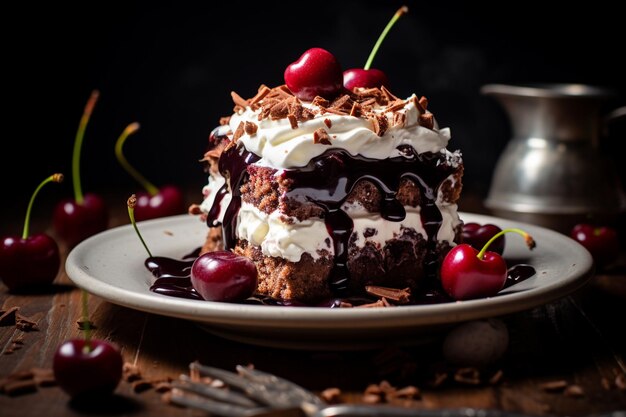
<point>111,265</point>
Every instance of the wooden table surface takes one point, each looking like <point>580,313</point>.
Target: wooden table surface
<point>576,342</point>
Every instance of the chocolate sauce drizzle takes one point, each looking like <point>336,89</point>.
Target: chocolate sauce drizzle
<point>173,279</point>
<point>328,180</point>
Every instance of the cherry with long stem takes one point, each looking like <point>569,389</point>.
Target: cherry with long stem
<point>78,145</point>
<point>28,262</point>
<point>368,77</point>
<point>86,214</point>
<point>87,367</point>
<point>155,202</point>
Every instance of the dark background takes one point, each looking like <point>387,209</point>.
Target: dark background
<point>172,67</point>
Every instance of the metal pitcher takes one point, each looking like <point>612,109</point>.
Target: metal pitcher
<point>552,172</point>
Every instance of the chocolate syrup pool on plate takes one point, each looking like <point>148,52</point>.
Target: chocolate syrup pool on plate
<point>173,278</point>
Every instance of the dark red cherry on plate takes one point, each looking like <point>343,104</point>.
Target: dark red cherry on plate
<point>30,261</point>
<point>467,273</point>
<point>368,77</point>
<point>477,235</point>
<point>316,73</point>
<point>601,241</point>
<point>87,368</point>
<point>224,276</point>
<point>75,221</point>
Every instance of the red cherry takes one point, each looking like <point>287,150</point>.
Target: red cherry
<point>154,202</point>
<point>168,201</point>
<point>477,236</point>
<point>29,262</point>
<point>224,276</point>
<point>91,369</point>
<point>465,276</point>
<point>366,78</point>
<point>74,222</point>
<point>467,273</point>
<point>601,242</point>
<point>85,215</point>
<point>316,73</point>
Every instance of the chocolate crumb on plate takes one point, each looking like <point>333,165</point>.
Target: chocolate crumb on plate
<point>82,324</point>
<point>400,296</point>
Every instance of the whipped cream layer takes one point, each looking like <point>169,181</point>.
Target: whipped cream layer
<point>288,238</point>
<point>281,146</point>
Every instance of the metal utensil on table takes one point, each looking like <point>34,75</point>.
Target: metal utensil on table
<point>552,171</point>
<point>253,393</point>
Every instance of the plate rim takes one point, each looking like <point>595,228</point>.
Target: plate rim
<point>246,315</point>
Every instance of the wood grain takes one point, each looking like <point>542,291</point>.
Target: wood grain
<point>578,339</point>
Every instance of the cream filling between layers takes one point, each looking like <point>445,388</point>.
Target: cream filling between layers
<point>280,236</point>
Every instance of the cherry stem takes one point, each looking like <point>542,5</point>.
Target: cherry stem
<point>130,129</point>
<point>530,242</point>
<point>131,203</point>
<point>78,144</point>
<point>52,178</point>
<point>402,10</point>
<point>85,320</point>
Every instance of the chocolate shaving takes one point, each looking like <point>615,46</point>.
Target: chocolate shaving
<point>8,317</point>
<point>238,132</point>
<point>497,377</point>
<point>427,120</point>
<point>355,110</point>
<point>44,377</point>
<point>240,103</point>
<point>224,120</point>
<point>250,128</point>
<point>390,97</point>
<point>423,101</point>
<point>399,119</point>
<point>439,379</point>
<point>574,391</point>
<point>379,123</point>
<point>620,382</point>
<point>15,388</point>
<point>321,136</point>
<point>342,103</point>
<point>395,106</point>
<point>372,399</point>
<point>328,122</point>
<point>409,392</point>
<point>320,102</point>
<point>293,121</point>
<point>400,296</point>
<point>380,303</point>
<point>553,386</point>
<point>130,372</point>
<point>263,91</point>
<point>25,324</point>
<point>279,111</point>
<point>469,376</point>
<point>606,384</point>
<point>331,395</point>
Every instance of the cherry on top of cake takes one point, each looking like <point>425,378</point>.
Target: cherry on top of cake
<point>367,103</point>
